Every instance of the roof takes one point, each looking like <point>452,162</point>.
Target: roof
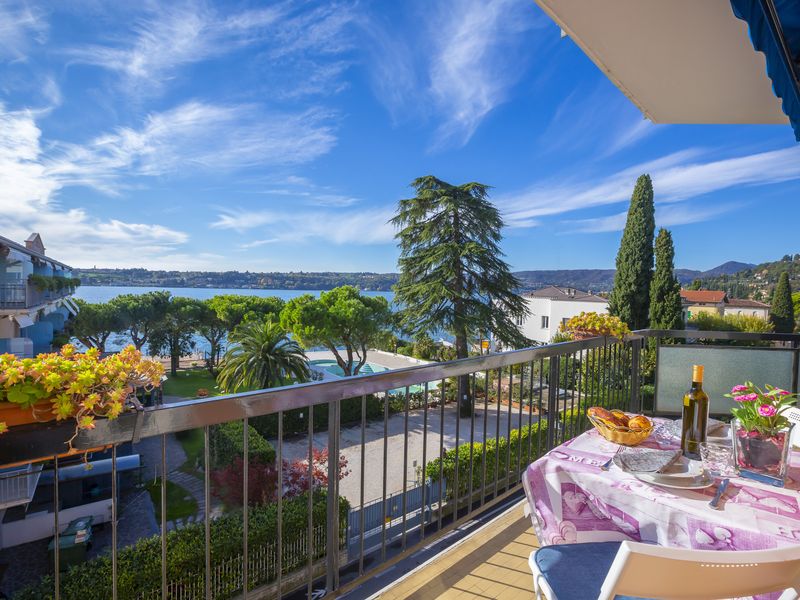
<point>703,296</point>
<point>567,294</point>
<point>679,61</point>
<point>743,303</point>
<point>12,244</point>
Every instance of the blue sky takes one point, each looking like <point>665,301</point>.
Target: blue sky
<point>279,136</point>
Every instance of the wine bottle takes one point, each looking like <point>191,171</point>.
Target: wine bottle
<point>695,415</point>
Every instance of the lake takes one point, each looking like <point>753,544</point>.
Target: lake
<point>91,293</point>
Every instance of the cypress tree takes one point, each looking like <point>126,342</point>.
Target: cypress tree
<point>782,311</point>
<point>665,291</point>
<point>630,297</point>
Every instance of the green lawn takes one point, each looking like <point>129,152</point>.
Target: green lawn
<point>186,383</point>
<point>193,446</point>
<point>180,503</point>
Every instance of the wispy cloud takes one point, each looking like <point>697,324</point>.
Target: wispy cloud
<point>459,68</point>
<point>676,177</point>
<point>668,215</point>
<point>20,25</point>
<point>362,227</point>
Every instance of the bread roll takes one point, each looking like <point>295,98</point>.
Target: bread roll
<point>621,416</point>
<point>605,415</point>
<point>639,422</point>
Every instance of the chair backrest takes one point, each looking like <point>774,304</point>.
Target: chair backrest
<point>793,414</point>
<point>679,574</point>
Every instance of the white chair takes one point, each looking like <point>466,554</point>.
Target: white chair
<point>793,414</point>
<point>608,570</point>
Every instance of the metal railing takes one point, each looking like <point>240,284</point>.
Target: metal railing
<point>473,425</point>
<point>24,295</point>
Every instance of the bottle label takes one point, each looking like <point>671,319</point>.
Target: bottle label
<point>686,400</point>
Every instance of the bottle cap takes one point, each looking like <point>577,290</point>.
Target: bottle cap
<point>697,373</point>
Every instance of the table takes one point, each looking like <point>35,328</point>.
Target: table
<point>573,500</point>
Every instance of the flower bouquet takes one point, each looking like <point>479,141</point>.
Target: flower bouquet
<point>760,430</point>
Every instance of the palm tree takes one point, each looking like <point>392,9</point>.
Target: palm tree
<point>262,356</point>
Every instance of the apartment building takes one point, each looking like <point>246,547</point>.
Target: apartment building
<point>717,302</point>
<point>551,306</point>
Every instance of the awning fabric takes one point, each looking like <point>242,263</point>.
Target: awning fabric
<point>783,67</point>
<point>23,320</point>
<point>70,306</point>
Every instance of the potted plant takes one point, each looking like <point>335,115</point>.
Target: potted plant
<point>72,385</point>
<point>591,324</point>
<point>760,430</point>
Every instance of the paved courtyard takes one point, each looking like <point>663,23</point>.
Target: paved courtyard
<point>297,447</point>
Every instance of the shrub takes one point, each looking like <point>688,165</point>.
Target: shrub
<point>139,565</point>
<point>228,444</point>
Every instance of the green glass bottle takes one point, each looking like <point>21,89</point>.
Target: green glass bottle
<point>695,416</point>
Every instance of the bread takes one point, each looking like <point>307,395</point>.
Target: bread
<point>623,418</point>
<point>639,422</point>
<point>608,417</point>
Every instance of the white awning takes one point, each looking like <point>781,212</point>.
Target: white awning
<point>23,320</point>
<point>679,61</point>
<point>70,306</point>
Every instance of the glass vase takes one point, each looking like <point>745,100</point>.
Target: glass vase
<point>765,454</point>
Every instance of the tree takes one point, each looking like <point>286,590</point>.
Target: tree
<point>233,309</point>
<point>95,322</point>
<point>452,273</point>
<point>665,291</point>
<point>262,356</point>
<point>141,312</point>
<point>630,296</point>
<point>781,312</point>
<point>343,320</point>
<point>696,284</point>
<point>212,329</point>
<point>173,335</point>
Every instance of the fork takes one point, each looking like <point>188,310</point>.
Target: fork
<point>607,465</point>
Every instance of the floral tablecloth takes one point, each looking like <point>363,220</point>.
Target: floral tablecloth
<point>573,500</point>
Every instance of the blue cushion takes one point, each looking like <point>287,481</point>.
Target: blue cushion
<point>577,571</point>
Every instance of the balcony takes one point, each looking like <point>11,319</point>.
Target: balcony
<point>405,497</point>
<point>23,296</point>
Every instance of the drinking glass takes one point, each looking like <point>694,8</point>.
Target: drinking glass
<point>717,459</point>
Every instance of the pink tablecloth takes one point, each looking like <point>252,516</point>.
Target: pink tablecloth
<point>574,501</point>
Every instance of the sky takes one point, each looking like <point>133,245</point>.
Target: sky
<point>280,136</point>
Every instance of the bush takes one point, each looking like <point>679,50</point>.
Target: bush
<point>139,565</point>
<point>228,444</point>
<point>746,323</point>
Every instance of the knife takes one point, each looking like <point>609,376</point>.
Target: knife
<point>718,496</point>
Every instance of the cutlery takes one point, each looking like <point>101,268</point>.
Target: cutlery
<point>723,485</point>
<point>607,465</point>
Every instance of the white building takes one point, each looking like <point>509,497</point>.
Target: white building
<point>751,308</point>
<point>551,306</point>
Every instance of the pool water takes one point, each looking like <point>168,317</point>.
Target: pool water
<point>332,367</point>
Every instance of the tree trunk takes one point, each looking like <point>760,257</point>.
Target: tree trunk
<point>174,358</point>
<point>465,407</point>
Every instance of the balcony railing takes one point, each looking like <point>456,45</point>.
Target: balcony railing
<point>410,451</point>
<point>24,295</point>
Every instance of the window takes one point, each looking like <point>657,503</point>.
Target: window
<point>545,322</point>
<point>564,321</point>
<point>520,321</point>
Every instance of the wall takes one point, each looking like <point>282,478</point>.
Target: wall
<point>568,309</point>
<point>532,326</point>
<point>556,310</point>
<point>761,313</point>
<point>693,309</point>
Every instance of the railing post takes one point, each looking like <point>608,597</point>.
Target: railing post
<point>552,400</point>
<point>332,553</point>
<point>634,402</point>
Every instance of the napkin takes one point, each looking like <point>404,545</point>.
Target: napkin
<point>645,460</point>
<point>673,428</point>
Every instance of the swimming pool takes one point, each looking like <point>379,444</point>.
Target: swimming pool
<point>332,367</point>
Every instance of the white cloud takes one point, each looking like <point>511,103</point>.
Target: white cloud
<point>668,215</point>
<point>28,190</point>
<point>676,177</point>
<point>19,25</point>
<point>362,227</point>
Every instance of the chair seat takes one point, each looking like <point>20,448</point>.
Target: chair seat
<point>577,571</point>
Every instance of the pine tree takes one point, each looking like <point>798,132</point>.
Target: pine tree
<point>630,296</point>
<point>665,291</point>
<point>782,311</point>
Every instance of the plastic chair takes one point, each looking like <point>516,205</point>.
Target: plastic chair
<point>622,570</point>
<point>793,414</point>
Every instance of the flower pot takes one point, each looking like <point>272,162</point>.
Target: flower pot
<point>13,414</point>
<point>764,453</point>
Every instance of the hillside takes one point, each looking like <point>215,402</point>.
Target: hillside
<point>595,280</point>
<point>757,281</point>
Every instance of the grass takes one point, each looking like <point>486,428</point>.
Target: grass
<point>180,503</point>
<point>193,446</point>
<point>187,381</point>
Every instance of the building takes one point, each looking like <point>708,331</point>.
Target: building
<point>35,295</point>
<point>716,302</point>
<point>551,306</point>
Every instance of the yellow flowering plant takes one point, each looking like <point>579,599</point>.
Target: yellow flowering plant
<point>74,385</point>
<point>592,324</point>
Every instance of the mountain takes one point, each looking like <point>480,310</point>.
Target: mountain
<point>595,280</point>
<point>755,281</point>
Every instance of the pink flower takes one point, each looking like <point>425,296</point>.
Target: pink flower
<point>783,392</point>
<point>746,397</point>
<point>738,388</point>
<point>767,410</point>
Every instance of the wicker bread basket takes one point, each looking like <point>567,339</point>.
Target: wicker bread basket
<point>619,434</point>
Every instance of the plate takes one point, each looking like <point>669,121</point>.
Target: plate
<point>683,474</point>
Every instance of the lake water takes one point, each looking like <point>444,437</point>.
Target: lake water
<point>92,293</point>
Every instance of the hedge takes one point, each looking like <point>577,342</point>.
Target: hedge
<point>227,442</point>
<point>532,436</point>
<point>139,565</point>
